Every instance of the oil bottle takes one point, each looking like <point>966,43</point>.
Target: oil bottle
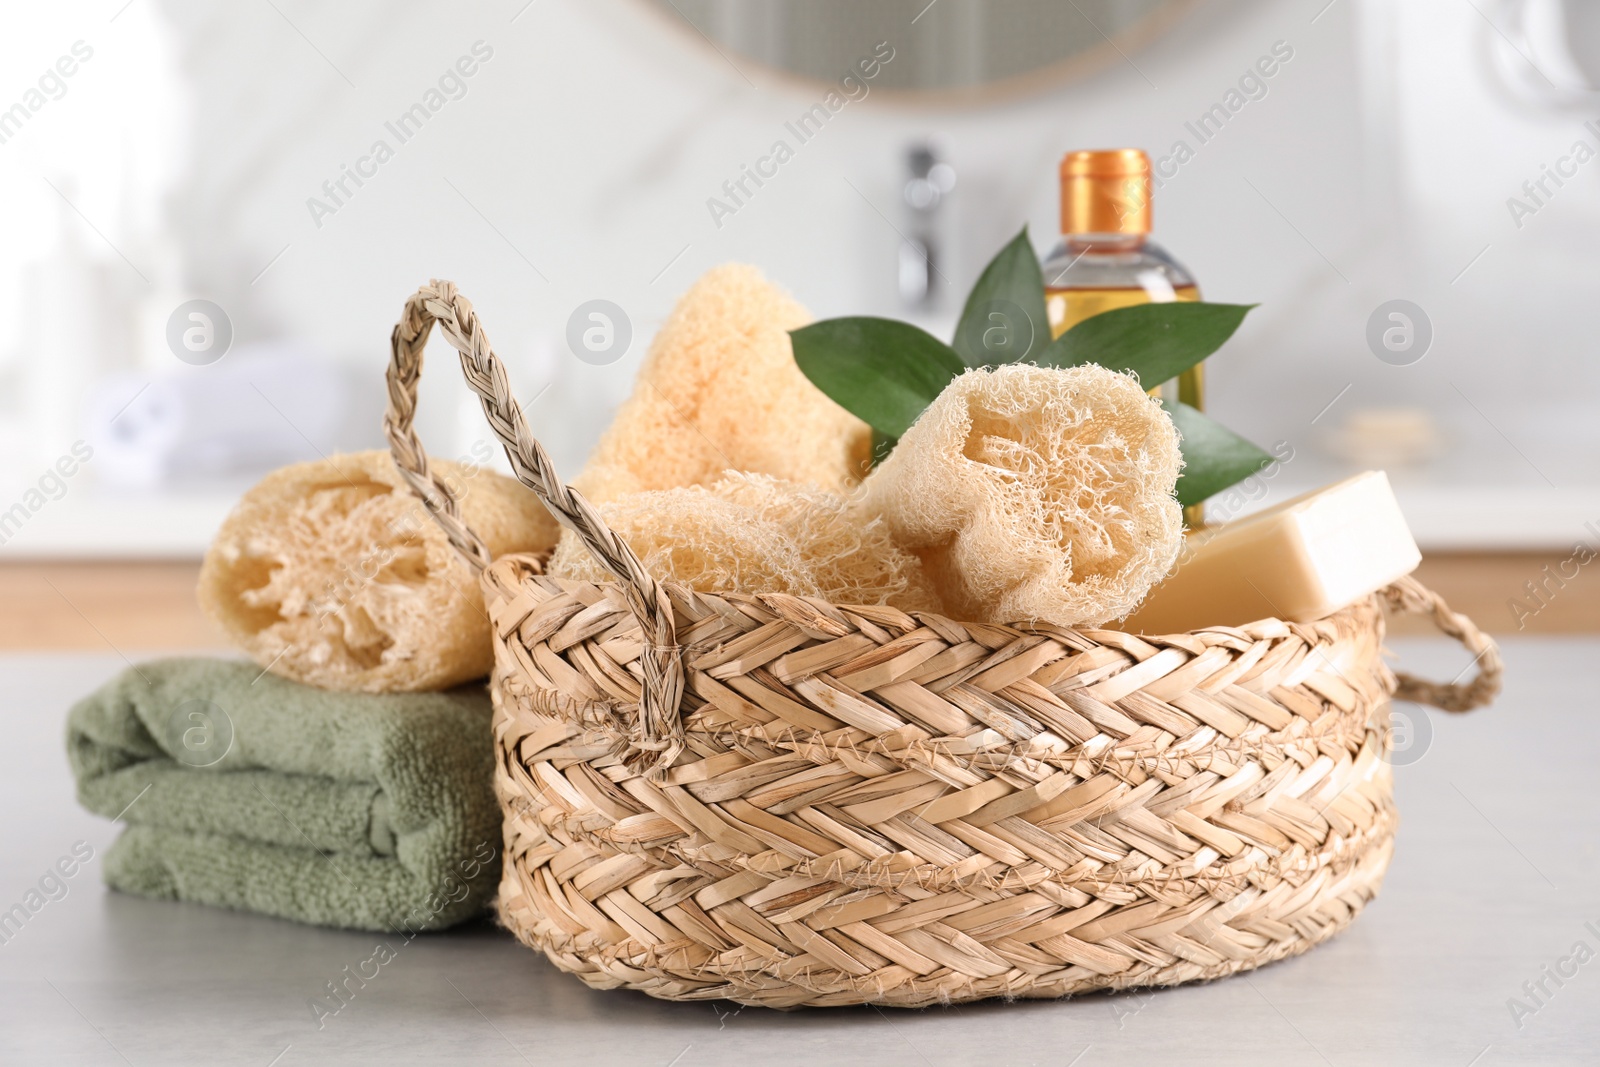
<point>1106,259</point>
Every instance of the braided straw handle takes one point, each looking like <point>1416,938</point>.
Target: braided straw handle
<point>1410,597</point>
<point>659,734</point>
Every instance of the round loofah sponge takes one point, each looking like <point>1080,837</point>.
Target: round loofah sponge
<point>720,390</point>
<point>1037,493</point>
<point>331,573</point>
<point>751,533</point>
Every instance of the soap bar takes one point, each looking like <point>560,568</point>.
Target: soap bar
<point>1300,560</point>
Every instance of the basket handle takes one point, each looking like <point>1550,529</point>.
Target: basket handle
<point>1410,597</point>
<point>658,736</point>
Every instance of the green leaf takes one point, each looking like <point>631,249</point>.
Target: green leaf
<point>882,371</point>
<point>1214,456</point>
<point>1157,342</point>
<point>1004,319</point>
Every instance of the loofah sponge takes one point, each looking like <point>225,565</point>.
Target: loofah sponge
<point>331,573</point>
<point>720,390</point>
<point>751,533</point>
<point>1037,494</point>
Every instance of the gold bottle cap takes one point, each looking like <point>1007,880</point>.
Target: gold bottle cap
<point>1105,191</point>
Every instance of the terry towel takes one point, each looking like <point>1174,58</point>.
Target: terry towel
<point>244,790</point>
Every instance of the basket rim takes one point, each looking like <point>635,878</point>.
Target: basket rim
<point>531,565</point>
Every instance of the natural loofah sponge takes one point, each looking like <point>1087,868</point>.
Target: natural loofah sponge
<point>751,533</point>
<point>331,573</point>
<point>1037,493</point>
<point>720,390</point>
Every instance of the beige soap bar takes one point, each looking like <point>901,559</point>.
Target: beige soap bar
<point>1301,560</point>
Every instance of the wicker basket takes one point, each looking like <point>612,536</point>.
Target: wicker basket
<point>785,802</point>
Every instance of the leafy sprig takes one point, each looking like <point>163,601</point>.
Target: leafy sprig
<point>887,372</point>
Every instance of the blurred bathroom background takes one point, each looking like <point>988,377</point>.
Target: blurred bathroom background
<point>205,248</point>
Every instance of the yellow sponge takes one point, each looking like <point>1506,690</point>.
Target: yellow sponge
<point>750,533</point>
<point>720,391</point>
<point>331,573</point>
<point>1037,493</point>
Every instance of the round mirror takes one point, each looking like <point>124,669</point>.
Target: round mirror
<point>937,46</point>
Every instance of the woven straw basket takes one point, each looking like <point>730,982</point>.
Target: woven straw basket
<point>785,802</point>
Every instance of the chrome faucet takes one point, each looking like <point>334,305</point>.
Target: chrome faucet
<point>930,179</point>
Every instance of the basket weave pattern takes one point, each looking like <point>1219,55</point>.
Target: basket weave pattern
<point>908,810</point>
<point>785,802</point>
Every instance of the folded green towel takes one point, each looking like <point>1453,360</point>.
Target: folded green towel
<point>244,790</point>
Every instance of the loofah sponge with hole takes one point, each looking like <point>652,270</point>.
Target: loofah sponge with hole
<point>720,391</point>
<point>1035,493</point>
<point>750,533</point>
<point>331,573</point>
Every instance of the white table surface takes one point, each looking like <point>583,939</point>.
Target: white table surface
<point>1496,873</point>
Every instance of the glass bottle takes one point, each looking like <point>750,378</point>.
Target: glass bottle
<point>1105,258</point>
